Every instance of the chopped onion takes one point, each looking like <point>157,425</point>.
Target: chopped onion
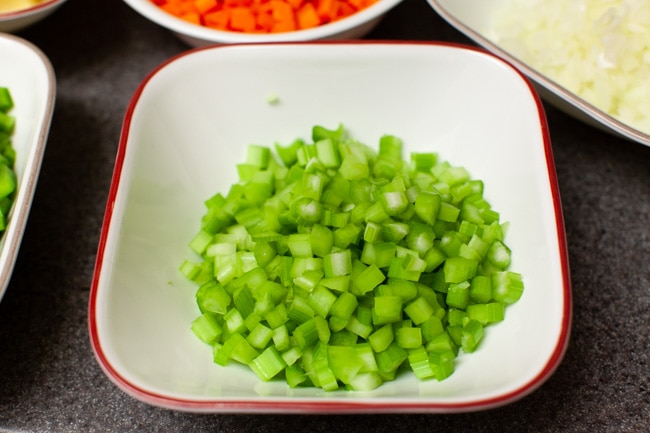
<point>598,49</point>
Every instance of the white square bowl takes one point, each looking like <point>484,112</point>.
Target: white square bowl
<point>190,122</point>
<point>28,74</point>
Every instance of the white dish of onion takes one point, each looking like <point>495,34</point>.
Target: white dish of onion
<point>589,58</point>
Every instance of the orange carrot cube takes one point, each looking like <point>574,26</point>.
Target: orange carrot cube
<point>307,16</point>
<point>242,19</point>
<point>217,19</point>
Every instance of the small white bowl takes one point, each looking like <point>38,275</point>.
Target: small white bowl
<point>30,78</point>
<point>18,20</point>
<point>352,27</point>
<point>189,124</point>
<point>475,20</point>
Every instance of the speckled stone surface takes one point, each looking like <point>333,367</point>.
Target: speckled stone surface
<point>50,381</point>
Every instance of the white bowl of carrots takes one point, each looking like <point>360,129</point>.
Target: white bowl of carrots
<point>205,22</point>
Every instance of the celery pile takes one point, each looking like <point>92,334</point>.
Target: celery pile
<point>7,156</point>
<point>333,265</point>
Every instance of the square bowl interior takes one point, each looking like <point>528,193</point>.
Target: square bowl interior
<point>29,76</point>
<point>190,122</point>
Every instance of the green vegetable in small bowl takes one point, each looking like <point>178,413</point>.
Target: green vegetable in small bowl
<point>335,265</point>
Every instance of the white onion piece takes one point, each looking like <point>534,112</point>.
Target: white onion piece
<point>598,49</point>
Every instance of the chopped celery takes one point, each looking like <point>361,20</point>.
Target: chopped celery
<point>8,179</point>
<point>333,265</point>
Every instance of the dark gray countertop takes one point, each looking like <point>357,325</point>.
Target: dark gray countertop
<point>50,381</point>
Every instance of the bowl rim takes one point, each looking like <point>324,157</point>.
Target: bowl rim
<point>19,13</point>
<point>152,12</point>
<point>307,405</point>
<point>21,207</point>
<point>599,117</point>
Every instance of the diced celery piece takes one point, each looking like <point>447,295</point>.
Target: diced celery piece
<point>431,327</point>
<point>306,334</point>
<point>200,242</point>
<point>390,359</point>
<point>291,355</point>
<point>367,356</point>
<point>321,300</point>
<point>380,254</point>
<point>472,334</point>
<point>6,101</point>
<point>423,161</point>
<point>427,206</point>
<point>419,361</point>
<point>344,362</point>
<point>281,340</point>
<point>507,286</point>
<point>337,263</point>
<point>386,309</point>
<point>442,364</point>
<point>343,338</point>
<point>268,364</point>
<point>419,310</point>
<point>458,269</point>
<point>321,240</point>
<point>212,297</point>
<point>499,254</point>
<point>366,381</point>
<point>480,289</point>
<point>295,375</point>
<point>234,321</point>
<point>207,328</point>
<point>486,313</point>
<point>244,301</point>
<point>359,328</point>
<point>7,123</point>
<point>458,295</point>
<point>368,279</point>
<point>442,342</point>
<point>344,305</point>
<point>456,317</point>
<point>260,336</point>
<point>381,338</point>
<point>408,337</point>
<point>7,180</point>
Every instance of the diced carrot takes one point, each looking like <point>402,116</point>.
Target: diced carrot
<point>264,21</point>
<point>236,3</point>
<point>343,9</point>
<point>192,17</point>
<point>205,6</point>
<point>307,16</point>
<point>282,11</point>
<point>242,19</point>
<point>283,26</point>
<point>295,4</point>
<point>217,19</point>
<point>325,9</point>
<point>357,4</point>
<point>177,9</point>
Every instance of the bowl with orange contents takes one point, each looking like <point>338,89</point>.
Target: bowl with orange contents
<point>16,15</point>
<point>206,22</point>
